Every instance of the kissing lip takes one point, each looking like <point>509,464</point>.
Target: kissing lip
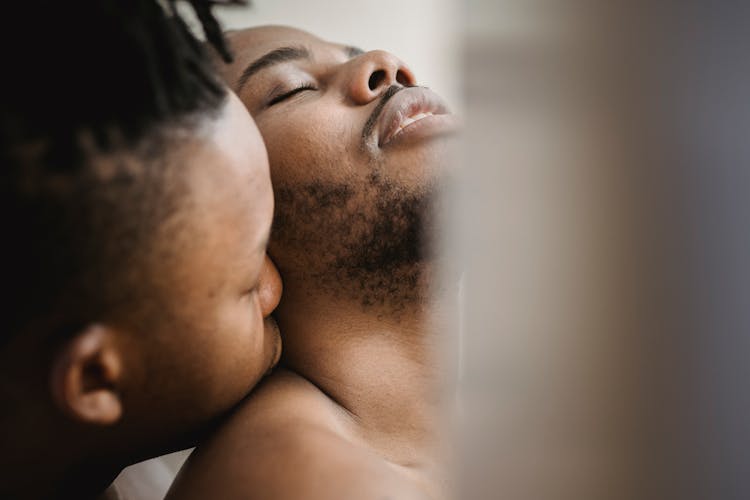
<point>270,323</point>
<point>412,102</point>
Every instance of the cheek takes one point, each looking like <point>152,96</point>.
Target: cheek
<point>246,327</point>
<point>233,343</point>
<point>238,350</point>
<point>315,145</point>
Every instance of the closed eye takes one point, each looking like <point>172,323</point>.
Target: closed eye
<point>287,95</point>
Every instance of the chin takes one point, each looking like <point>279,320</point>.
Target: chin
<point>423,167</point>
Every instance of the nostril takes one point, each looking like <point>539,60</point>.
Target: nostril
<point>376,79</point>
<point>403,78</point>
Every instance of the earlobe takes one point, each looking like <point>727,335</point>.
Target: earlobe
<point>85,376</point>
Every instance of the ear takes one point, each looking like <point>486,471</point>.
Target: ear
<point>86,373</point>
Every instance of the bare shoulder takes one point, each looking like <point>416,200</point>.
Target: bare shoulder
<point>285,397</point>
<point>288,441</point>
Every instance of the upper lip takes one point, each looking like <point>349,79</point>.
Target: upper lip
<point>401,105</point>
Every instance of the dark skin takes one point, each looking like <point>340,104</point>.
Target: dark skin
<point>121,388</point>
<point>355,411</point>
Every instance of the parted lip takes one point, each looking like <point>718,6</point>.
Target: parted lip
<point>404,104</point>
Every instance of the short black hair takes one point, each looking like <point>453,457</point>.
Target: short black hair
<point>87,80</point>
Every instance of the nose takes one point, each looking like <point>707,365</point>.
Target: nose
<point>270,287</point>
<point>373,72</point>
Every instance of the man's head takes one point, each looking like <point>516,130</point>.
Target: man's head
<point>136,209</point>
<point>355,151</point>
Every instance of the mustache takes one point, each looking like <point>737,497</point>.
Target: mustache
<point>373,119</point>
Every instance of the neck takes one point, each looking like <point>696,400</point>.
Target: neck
<point>379,364</point>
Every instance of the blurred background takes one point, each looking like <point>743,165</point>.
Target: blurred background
<point>605,237</point>
<point>602,223</point>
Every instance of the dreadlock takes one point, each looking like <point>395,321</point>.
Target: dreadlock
<point>91,78</point>
<point>211,28</point>
<point>104,64</point>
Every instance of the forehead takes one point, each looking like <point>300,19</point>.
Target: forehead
<point>268,37</point>
<point>231,172</point>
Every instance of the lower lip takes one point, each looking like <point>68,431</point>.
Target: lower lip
<point>273,326</point>
<point>426,128</point>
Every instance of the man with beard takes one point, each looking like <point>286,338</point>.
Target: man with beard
<point>355,150</point>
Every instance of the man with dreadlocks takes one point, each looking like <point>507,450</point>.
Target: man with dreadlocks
<point>136,205</point>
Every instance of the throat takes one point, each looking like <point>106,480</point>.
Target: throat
<point>380,368</point>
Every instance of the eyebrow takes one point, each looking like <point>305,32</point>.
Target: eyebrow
<point>284,54</point>
<point>276,56</point>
